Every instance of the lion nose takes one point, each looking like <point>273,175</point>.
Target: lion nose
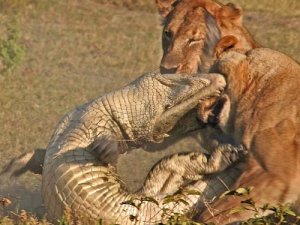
<point>165,70</point>
<point>169,65</point>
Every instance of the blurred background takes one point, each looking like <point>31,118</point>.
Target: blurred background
<point>57,54</point>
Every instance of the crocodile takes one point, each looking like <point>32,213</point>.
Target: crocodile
<point>78,169</point>
<point>79,164</point>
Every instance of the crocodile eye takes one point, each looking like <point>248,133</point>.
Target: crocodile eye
<point>168,106</point>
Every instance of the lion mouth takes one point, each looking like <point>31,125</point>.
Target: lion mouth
<point>214,111</point>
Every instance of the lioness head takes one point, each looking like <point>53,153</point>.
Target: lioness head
<point>196,31</point>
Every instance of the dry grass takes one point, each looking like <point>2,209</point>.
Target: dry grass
<point>77,50</point>
<point>277,7</point>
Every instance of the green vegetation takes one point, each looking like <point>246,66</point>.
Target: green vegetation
<point>280,214</point>
<point>77,50</point>
<point>11,50</point>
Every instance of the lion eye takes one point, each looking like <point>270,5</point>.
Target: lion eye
<point>168,34</point>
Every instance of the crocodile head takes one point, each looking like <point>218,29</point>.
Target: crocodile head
<point>158,102</point>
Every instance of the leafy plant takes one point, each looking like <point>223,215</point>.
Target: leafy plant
<point>11,50</point>
<point>262,215</point>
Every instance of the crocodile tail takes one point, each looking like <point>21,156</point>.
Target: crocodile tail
<point>30,161</point>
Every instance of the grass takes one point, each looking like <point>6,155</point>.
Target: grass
<point>281,214</point>
<point>77,50</point>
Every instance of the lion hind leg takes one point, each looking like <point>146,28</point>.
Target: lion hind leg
<point>263,187</point>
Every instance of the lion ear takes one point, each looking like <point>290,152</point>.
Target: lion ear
<point>231,12</point>
<point>212,7</point>
<point>165,6</point>
<point>225,44</point>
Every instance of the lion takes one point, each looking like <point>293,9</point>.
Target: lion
<point>263,88</point>
<point>261,105</point>
<point>194,32</point>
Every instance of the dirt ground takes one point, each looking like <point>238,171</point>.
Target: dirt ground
<point>77,50</point>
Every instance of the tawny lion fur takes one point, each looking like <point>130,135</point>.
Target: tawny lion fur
<point>263,88</point>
